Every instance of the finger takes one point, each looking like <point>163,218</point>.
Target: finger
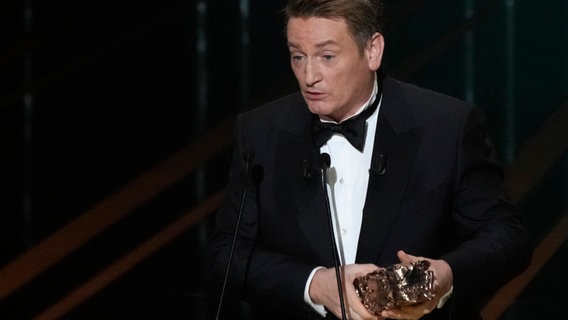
<point>410,312</point>
<point>420,309</point>
<point>366,268</point>
<point>405,257</point>
<point>395,314</point>
<point>356,307</point>
<point>400,314</point>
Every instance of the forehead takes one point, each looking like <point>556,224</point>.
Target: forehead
<point>303,31</point>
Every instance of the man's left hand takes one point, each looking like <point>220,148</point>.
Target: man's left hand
<point>443,281</point>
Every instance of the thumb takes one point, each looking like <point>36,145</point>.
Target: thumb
<point>406,258</point>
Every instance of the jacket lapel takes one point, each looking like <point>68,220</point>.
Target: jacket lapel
<point>308,197</point>
<point>396,142</point>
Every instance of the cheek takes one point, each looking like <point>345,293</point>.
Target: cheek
<point>299,76</point>
<point>342,83</point>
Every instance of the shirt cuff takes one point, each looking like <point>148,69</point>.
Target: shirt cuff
<point>318,308</point>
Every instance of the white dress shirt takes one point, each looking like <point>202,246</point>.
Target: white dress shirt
<point>347,180</point>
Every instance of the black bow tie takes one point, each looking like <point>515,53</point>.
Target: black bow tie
<point>353,129</point>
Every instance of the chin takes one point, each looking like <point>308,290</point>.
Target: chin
<point>318,108</point>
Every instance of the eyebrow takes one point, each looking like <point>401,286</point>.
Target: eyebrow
<point>325,43</point>
<point>319,45</point>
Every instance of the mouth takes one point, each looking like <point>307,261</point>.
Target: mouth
<point>314,95</point>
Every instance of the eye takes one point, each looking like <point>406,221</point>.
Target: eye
<point>328,57</point>
<point>296,57</point>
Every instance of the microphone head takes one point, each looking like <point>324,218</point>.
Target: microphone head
<point>248,156</point>
<point>325,160</point>
<point>306,169</point>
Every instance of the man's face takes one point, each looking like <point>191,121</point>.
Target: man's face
<point>335,77</point>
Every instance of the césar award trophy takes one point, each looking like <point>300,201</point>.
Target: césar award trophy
<point>396,286</point>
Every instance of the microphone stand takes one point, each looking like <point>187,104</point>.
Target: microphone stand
<point>248,160</point>
<point>325,162</point>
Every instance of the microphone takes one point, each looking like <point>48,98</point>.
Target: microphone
<point>381,167</point>
<point>306,169</point>
<point>308,172</point>
<point>247,157</point>
<point>325,162</point>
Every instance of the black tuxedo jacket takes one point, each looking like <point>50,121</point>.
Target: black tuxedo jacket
<point>434,190</point>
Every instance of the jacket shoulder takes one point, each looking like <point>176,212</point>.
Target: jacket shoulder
<point>276,109</point>
<point>288,114</point>
<point>422,97</point>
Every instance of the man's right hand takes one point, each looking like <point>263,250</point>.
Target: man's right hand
<point>323,291</point>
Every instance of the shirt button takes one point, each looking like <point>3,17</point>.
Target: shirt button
<point>343,231</point>
<point>341,180</point>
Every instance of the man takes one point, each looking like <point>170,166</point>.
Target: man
<point>421,182</point>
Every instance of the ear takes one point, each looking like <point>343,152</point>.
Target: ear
<point>375,51</point>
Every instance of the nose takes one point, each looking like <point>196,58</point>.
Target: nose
<point>312,73</point>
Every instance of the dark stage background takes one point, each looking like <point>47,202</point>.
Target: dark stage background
<point>115,124</point>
